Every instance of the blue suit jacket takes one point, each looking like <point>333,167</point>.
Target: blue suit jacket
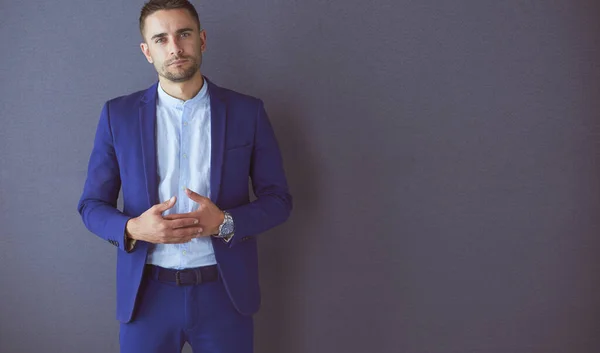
<point>124,157</point>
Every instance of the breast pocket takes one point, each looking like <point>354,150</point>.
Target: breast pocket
<point>233,148</point>
<point>237,160</point>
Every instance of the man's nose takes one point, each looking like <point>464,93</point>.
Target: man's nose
<point>175,47</point>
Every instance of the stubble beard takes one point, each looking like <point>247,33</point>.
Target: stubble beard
<point>181,75</point>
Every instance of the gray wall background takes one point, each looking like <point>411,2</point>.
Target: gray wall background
<point>443,156</point>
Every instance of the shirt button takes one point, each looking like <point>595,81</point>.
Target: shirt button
<point>183,252</point>
<point>185,156</point>
<point>185,123</point>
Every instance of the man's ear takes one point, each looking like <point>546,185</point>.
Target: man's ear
<point>146,52</point>
<point>203,41</point>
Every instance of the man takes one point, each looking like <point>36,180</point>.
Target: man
<point>182,152</point>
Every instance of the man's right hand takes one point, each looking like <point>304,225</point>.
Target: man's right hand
<point>151,227</point>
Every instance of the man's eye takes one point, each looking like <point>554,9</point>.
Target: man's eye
<point>160,40</point>
<point>186,34</point>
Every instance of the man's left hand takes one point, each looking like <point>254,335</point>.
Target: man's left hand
<point>209,216</point>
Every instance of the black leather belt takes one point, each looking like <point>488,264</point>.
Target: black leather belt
<point>187,277</point>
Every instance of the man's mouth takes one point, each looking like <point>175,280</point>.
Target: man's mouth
<point>177,62</point>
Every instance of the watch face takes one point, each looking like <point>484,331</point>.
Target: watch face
<point>227,227</point>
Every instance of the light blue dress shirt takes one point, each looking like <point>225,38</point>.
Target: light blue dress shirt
<point>183,143</point>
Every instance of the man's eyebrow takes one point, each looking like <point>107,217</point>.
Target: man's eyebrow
<point>179,31</point>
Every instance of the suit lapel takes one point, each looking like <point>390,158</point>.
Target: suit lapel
<point>218,114</point>
<point>147,116</point>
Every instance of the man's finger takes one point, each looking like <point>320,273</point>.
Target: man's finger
<point>182,223</point>
<point>162,207</point>
<point>190,232</point>
<point>174,216</point>
<point>194,196</point>
<point>204,233</point>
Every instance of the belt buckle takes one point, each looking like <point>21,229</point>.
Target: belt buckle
<point>197,274</point>
<point>177,278</point>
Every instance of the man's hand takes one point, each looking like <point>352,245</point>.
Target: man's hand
<point>208,214</point>
<point>152,227</point>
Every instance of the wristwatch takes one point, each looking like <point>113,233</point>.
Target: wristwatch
<point>226,229</point>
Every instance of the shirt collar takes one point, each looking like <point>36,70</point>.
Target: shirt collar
<point>165,99</point>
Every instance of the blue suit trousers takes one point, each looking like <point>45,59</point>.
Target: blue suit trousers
<point>168,315</point>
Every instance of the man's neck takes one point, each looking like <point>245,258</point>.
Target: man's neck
<point>183,90</point>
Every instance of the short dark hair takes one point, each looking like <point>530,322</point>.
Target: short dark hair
<point>155,5</point>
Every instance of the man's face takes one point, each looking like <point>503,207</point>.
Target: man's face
<point>174,44</point>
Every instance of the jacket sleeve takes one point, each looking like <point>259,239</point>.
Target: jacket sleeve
<point>273,202</point>
<point>98,203</point>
